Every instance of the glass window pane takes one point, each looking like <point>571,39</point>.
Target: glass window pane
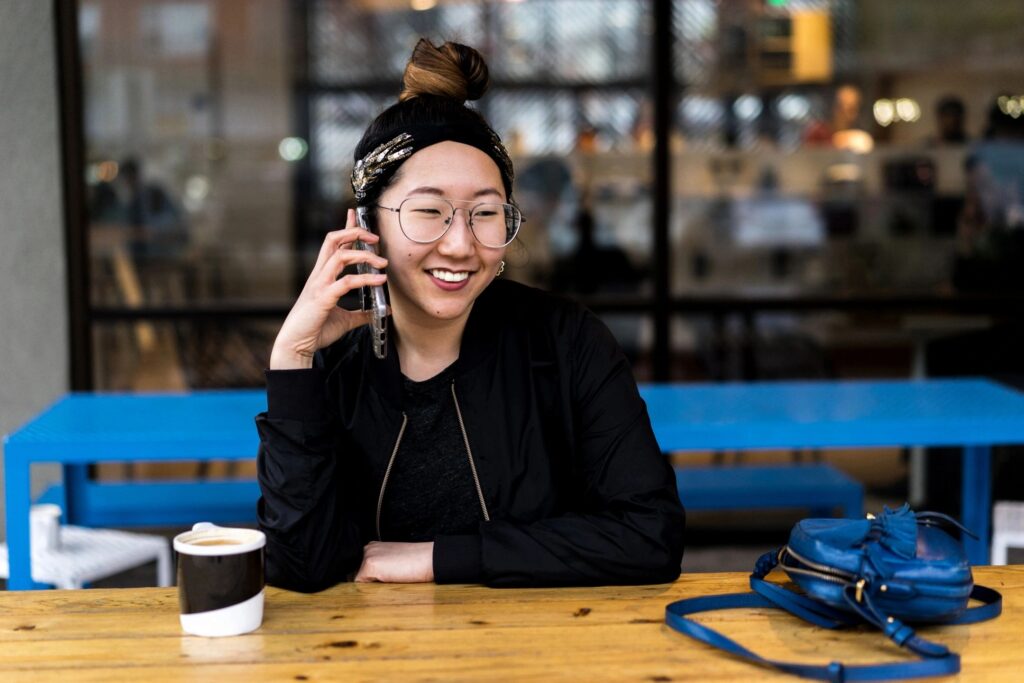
<point>572,40</point>
<point>338,124</point>
<point>363,42</point>
<point>820,151</point>
<point>187,106</point>
<point>190,354</point>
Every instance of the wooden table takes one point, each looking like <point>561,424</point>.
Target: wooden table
<point>423,631</point>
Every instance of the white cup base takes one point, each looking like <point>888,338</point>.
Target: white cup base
<point>228,621</point>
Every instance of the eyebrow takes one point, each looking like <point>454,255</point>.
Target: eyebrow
<point>440,193</point>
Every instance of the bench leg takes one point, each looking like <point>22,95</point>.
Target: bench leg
<point>1000,548</point>
<point>976,504</point>
<point>163,567</point>
<point>17,495</point>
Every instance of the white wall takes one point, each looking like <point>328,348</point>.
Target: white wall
<point>33,295</point>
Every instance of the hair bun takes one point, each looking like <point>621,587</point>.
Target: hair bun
<point>453,70</point>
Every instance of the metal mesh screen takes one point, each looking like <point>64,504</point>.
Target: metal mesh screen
<point>338,122</point>
<point>353,42</point>
<point>571,40</point>
<point>695,24</point>
<point>534,121</point>
<point>617,116</point>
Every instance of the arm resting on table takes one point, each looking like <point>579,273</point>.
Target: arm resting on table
<point>311,543</point>
<point>629,525</point>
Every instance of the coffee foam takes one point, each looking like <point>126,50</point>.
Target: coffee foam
<point>242,540</point>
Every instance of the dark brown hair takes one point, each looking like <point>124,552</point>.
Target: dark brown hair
<point>453,70</point>
<point>438,81</point>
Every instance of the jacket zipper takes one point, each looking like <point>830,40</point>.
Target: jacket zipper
<point>830,573</point>
<point>387,472</point>
<point>469,453</point>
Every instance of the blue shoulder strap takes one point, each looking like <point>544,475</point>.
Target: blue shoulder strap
<point>675,617</point>
<point>936,659</point>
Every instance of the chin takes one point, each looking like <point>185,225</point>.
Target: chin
<point>449,306</point>
<point>446,310</point>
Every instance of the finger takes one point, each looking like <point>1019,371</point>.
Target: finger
<point>352,226</point>
<point>339,239</point>
<point>342,258</point>
<point>346,284</point>
<point>339,261</point>
<point>328,264</point>
<point>347,235</point>
<point>356,318</point>
<point>364,575</point>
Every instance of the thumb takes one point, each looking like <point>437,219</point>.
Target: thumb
<point>357,318</point>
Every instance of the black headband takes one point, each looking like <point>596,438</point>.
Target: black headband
<point>376,169</point>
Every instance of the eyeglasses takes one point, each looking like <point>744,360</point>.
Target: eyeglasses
<point>427,219</point>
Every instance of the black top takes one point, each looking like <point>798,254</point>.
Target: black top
<point>430,489</point>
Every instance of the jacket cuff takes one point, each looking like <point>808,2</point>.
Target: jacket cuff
<point>457,559</point>
<point>297,394</point>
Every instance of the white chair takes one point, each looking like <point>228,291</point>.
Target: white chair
<point>87,555</point>
<point>1007,529</point>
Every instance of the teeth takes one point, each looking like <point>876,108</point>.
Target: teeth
<point>449,276</point>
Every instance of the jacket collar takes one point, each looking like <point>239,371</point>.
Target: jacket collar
<point>479,342</point>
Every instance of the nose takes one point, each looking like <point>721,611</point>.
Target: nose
<point>458,240</point>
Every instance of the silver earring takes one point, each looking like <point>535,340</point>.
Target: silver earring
<point>501,268</point>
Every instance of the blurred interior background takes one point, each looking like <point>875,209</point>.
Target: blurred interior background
<point>742,189</point>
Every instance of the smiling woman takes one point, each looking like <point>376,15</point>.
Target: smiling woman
<point>437,263</point>
<point>503,441</point>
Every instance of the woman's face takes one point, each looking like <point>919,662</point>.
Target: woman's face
<point>454,171</point>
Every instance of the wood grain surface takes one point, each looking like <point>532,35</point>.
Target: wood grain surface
<point>421,632</point>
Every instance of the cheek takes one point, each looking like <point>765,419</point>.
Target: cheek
<point>403,261</point>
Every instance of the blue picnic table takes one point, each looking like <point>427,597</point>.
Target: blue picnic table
<point>971,413</point>
<point>83,428</point>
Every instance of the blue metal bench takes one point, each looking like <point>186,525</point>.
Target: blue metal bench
<point>819,488</point>
<point>159,503</point>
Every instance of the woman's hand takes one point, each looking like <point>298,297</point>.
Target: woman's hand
<point>316,320</point>
<point>397,563</point>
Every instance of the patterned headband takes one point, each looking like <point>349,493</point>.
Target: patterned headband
<point>377,167</point>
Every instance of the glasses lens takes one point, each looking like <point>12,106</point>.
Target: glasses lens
<point>495,225</point>
<point>424,219</point>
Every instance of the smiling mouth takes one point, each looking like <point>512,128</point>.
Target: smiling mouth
<point>450,275</point>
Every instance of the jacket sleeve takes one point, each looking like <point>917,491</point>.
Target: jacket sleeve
<point>631,526</point>
<point>311,543</point>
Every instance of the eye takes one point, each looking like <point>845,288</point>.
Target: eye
<point>431,213</point>
<point>485,213</point>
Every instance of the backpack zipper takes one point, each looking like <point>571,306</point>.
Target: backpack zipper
<point>830,573</point>
<point>387,472</point>
<point>469,453</point>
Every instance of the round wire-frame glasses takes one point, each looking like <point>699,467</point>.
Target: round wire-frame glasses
<point>427,219</point>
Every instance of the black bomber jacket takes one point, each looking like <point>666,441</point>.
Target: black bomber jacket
<point>574,485</point>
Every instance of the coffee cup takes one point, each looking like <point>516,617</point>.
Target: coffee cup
<point>44,522</point>
<point>220,580</point>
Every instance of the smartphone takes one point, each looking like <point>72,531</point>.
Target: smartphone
<point>373,298</point>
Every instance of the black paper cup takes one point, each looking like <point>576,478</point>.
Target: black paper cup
<point>220,580</point>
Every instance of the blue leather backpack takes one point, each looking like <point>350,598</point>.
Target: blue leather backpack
<point>889,571</point>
